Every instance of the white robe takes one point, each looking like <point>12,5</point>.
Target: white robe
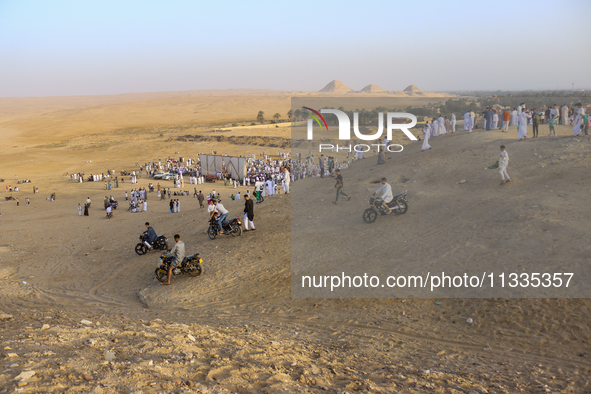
<point>577,126</point>
<point>522,131</point>
<point>441,124</point>
<point>453,122</point>
<point>426,135</point>
<point>578,122</point>
<point>514,118</point>
<point>270,187</point>
<point>434,129</point>
<point>564,114</point>
<point>467,122</point>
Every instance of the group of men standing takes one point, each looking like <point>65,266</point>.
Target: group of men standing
<point>438,126</point>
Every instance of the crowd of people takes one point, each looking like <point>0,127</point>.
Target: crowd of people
<point>266,176</point>
<point>325,166</point>
<point>521,116</point>
<point>438,126</point>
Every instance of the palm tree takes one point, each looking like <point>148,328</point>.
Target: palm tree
<point>261,117</point>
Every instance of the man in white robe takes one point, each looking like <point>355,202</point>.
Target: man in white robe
<point>578,120</point>
<point>453,122</point>
<point>468,122</point>
<point>426,135</point>
<point>434,128</point>
<point>286,180</point>
<point>503,163</point>
<point>522,130</point>
<point>441,125</point>
<point>514,117</point>
<point>564,114</point>
<point>270,187</point>
<point>474,118</point>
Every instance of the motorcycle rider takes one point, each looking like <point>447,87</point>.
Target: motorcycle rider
<point>387,196</point>
<point>222,213</point>
<point>178,254</point>
<point>149,236</point>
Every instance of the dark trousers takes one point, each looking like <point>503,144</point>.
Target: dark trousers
<point>535,129</point>
<point>340,191</point>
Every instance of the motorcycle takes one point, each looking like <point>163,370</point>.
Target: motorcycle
<point>231,227</point>
<point>112,204</point>
<point>398,205</point>
<point>191,266</point>
<point>109,215</point>
<point>158,244</point>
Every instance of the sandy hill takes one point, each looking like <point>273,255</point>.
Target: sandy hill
<point>412,89</point>
<point>236,327</point>
<point>335,86</point>
<point>372,89</point>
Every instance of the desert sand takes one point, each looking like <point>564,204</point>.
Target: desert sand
<point>83,312</point>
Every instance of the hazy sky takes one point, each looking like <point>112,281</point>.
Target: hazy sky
<point>108,47</point>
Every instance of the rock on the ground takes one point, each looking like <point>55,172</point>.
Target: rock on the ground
<point>25,375</point>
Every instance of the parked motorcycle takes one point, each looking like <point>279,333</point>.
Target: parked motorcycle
<point>231,227</point>
<point>191,266</point>
<point>158,244</point>
<point>398,205</point>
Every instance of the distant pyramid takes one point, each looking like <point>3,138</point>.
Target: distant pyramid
<point>372,89</point>
<point>413,89</point>
<point>335,86</point>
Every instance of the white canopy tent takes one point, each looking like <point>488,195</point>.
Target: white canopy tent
<point>233,165</point>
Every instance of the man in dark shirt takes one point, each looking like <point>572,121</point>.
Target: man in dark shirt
<point>248,213</point>
<point>321,162</point>
<point>339,186</point>
<point>150,236</point>
<point>535,117</point>
<point>200,198</point>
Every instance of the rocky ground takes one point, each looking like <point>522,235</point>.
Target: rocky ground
<point>64,352</point>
